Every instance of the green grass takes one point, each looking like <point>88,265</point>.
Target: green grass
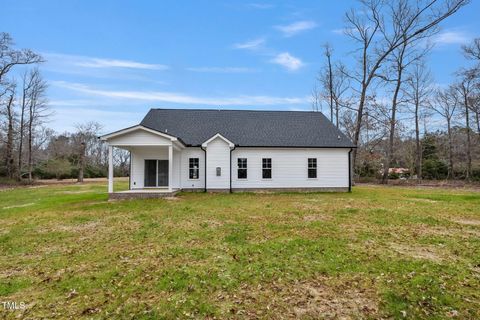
<point>376,252</point>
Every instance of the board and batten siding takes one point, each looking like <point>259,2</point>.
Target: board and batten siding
<point>218,156</point>
<point>290,168</point>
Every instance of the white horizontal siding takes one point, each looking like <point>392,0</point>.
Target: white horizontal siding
<point>289,168</point>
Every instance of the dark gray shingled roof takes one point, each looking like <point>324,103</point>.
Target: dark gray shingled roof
<point>248,127</point>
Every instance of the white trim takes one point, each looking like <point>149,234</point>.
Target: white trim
<point>127,130</point>
<point>170,168</point>
<point>218,135</point>
<point>110,169</point>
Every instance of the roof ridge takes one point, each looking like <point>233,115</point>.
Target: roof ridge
<point>243,110</point>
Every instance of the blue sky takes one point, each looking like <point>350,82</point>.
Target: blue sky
<point>110,61</point>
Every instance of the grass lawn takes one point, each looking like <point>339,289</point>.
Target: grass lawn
<point>376,252</point>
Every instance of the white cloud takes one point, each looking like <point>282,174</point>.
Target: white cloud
<point>288,61</point>
<point>94,62</point>
<point>222,69</point>
<point>451,37</point>
<point>66,118</point>
<point>180,98</point>
<point>296,27</point>
<point>250,45</point>
<point>113,63</point>
<point>261,6</point>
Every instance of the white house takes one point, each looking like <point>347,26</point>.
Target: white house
<point>232,150</point>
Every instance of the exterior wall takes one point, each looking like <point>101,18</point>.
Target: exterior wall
<point>141,153</point>
<point>139,137</point>
<point>218,155</point>
<point>186,182</point>
<point>289,168</point>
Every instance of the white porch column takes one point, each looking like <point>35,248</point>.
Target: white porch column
<point>170,167</point>
<point>110,169</point>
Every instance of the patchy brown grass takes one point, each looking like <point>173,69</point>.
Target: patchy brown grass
<point>378,252</point>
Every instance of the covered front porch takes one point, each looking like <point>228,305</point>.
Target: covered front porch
<point>154,158</point>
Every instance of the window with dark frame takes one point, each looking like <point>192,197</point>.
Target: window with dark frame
<point>312,168</point>
<point>193,166</point>
<point>242,168</point>
<point>266,168</point>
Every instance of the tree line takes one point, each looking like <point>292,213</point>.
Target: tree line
<point>388,103</point>
<point>29,148</point>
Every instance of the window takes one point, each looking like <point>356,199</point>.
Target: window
<point>267,168</point>
<point>242,168</point>
<point>312,168</point>
<point>193,168</point>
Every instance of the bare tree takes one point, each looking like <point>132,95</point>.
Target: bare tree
<point>333,84</point>
<point>398,66</point>
<point>465,88</point>
<point>86,145</point>
<point>26,87</point>
<point>418,90</point>
<point>37,110</point>
<point>402,58</point>
<point>446,103</point>
<point>10,57</point>
<point>10,119</point>
<point>316,99</point>
<point>475,107</point>
<point>376,33</point>
<point>472,51</point>
<point>327,78</point>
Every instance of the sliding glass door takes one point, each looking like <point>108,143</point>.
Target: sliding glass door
<point>156,173</point>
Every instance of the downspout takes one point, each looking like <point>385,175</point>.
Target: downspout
<point>231,150</point>
<point>350,170</point>
<point>205,152</point>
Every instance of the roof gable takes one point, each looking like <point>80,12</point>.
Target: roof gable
<point>218,136</point>
<point>138,135</point>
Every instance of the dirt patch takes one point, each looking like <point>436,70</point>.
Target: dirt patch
<point>470,222</point>
<point>19,206</point>
<point>422,200</point>
<point>89,226</point>
<point>449,231</point>
<point>73,192</point>
<point>315,217</point>
<point>214,223</point>
<point>304,206</point>
<point>431,253</point>
<point>310,299</point>
<point>172,198</point>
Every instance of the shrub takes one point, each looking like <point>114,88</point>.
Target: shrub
<point>55,168</point>
<point>434,169</point>
<point>393,175</point>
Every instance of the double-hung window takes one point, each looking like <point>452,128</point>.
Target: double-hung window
<point>193,168</point>
<point>312,168</point>
<point>242,168</point>
<point>267,168</point>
